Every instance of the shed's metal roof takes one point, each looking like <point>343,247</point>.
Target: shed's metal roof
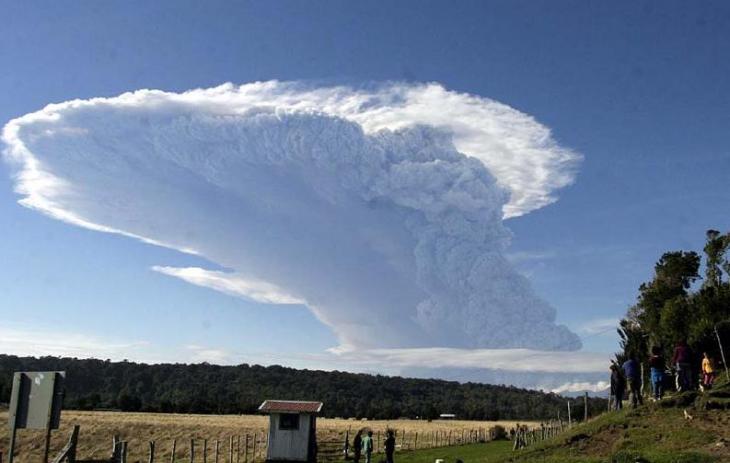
<point>290,406</point>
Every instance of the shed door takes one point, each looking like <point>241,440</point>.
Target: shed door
<point>288,437</point>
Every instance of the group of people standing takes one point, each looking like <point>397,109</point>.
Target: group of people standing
<point>629,375</point>
<point>363,445</point>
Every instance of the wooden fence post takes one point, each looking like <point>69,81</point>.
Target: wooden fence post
<point>253,451</point>
<point>192,450</point>
<point>217,444</point>
<point>230,449</point>
<point>68,453</point>
<point>172,454</point>
<point>245,450</point>
<point>415,442</point>
<point>152,452</point>
<point>205,450</point>
<point>570,422</point>
<point>115,444</point>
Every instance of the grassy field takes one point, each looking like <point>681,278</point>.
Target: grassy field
<point>490,452</point>
<point>651,434</point>
<point>97,429</point>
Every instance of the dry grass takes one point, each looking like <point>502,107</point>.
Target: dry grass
<point>97,429</point>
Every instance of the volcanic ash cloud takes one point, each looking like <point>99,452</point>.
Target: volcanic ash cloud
<point>381,211</point>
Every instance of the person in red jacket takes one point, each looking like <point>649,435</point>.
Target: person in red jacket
<point>682,360</point>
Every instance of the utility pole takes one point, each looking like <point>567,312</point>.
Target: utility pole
<point>585,407</point>
<point>570,421</point>
<point>722,351</point>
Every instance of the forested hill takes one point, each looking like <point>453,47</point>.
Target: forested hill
<point>205,388</point>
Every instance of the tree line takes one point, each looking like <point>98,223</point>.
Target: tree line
<point>205,388</point>
<point>680,304</point>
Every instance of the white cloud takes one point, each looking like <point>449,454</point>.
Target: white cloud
<point>35,342</point>
<point>382,209</point>
<point>233,285</point>
<point>599,386</point>
<point>517,150</point>
<point>205,354</point>
<point>599,326</point>
<point>521,360</point>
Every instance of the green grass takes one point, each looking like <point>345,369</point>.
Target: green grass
<point>654,433</point>
<point>491,452</point>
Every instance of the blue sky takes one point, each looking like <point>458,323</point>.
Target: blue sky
<point>640,89</point>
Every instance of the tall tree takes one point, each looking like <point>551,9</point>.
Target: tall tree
<point>668,310</point>
<point>674,274</point>
<point>715,248</point>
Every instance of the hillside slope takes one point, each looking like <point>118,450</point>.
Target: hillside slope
<point>656,433</point>
<point>653,433</point>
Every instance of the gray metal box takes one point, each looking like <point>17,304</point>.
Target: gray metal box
<point>36,400</point>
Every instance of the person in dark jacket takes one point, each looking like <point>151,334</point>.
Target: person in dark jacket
<point>389,446</point>
<point>682,361</point>
<point>657,365</point>
<point>618,386</point>
<point>632,372</point>
<point>357,446</point>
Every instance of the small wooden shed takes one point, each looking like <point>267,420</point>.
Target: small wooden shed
<point>292,430</point>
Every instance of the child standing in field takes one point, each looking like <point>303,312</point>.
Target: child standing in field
<point>708,372</point>
<point>367,446</point>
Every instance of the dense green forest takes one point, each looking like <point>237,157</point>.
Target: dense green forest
<point>679,304</point>
<point>205,388</point>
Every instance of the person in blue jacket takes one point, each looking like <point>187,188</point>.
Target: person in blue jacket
<point>632,371</point>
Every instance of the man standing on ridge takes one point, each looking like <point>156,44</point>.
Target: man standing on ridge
<point>633,376</point>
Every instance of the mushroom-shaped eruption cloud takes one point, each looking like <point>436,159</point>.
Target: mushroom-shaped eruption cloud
<point>382,210</point>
